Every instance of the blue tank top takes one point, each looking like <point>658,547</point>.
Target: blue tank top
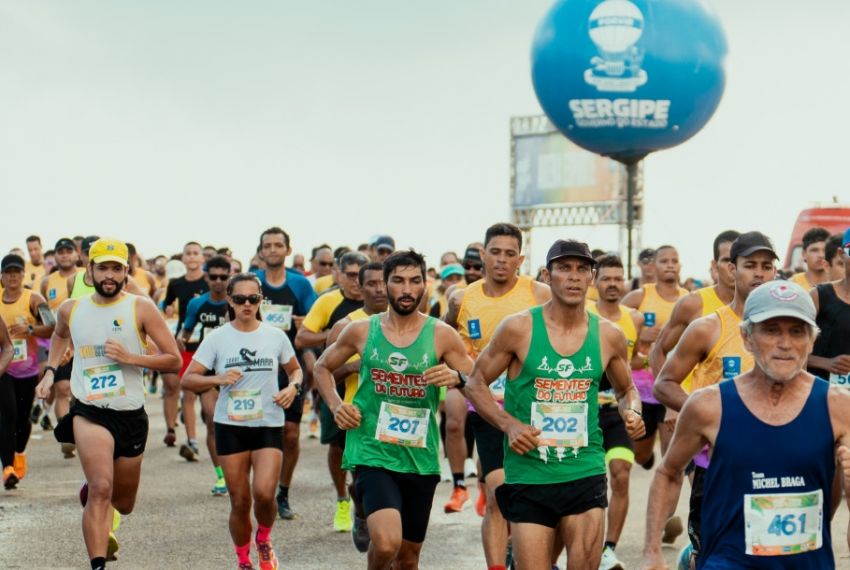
<point>767,490</point>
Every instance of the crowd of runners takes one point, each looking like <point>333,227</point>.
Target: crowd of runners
<point>548,389</point>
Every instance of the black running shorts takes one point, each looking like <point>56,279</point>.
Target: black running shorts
<point>613,429</point>
<point>548,504</point>
<point>695,513</point>
<point>129,428</point>
<point>490,442</point>
<point>653,416</point>
<point>410,494</point>
<point>230,439</point>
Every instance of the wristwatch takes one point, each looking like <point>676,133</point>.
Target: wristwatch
<point>299,389</point>
<point>463,380</point>
<point>640,415</point>
<point>30,330</point>
<point>50,368</point>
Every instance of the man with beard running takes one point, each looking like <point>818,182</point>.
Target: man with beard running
<point>108,422</point>
<point>712,347</point>
<point>392,437</point>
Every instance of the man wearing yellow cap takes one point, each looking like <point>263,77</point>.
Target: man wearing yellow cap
<point>108,422</point>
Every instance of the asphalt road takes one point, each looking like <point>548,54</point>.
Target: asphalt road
<point>177,524</point>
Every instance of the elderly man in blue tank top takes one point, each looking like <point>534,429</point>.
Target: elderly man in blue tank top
<point>775,435</point>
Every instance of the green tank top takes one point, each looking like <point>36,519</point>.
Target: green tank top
<point>557,394</point>
<point>398,425</point>
<point>81,289</point>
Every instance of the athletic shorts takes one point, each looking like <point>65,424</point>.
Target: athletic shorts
<point>295,411</point>
<point>548,504</point>
<point>230,439</point>
<point>653,416</point>
<point>614,430</point>
<point>63,372</point>
<point>695,513</point>
<point>410,494</point>
<point>490,442</point>
<point>329,432</point>
<point>186,356</point>
<point>129,428</point>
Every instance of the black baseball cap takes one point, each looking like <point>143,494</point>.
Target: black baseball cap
<point>569,248</point>
<point>472,254</point>
<point>646,255</point>
<point>64,243</point>
<point>750,242</point>
<point>12,261</point>
<point>85,246</point>
<point>385,242</point>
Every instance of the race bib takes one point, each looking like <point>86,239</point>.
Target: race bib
<point>840,379</point>
<point>106,381</point>
<point>497,387</point>
<point>278,316</point>
<point>781,524</point>
<point>560,425</point>
<point>244,405</point>
<point>19,345</point>
<point>401,425</point>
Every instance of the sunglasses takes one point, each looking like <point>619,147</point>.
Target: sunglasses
<point>473,266</point>
<point>326,263</point>
<point>218,277</point>
<point>241,299</point>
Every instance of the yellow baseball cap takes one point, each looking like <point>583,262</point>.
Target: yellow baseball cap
<point>109,249</point>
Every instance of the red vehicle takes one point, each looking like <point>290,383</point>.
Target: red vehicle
<point>835,218</point>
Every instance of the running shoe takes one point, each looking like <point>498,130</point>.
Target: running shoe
<point>458,499</point>
<point>684,559</point>
<point>445,472</point>
<point>35,413</point>
<point>116,520</point>
<point>10,480</point>
<point>20,465</point>
<point>469,468</point>
<point>610,560</point>
<point>672,529</point>
<point>342,517</point>
<point>187,453</point>
<point>112,548</point>
<point>360,534</point>
<point>68,450</point>
<point>481,502</point>
<point>219,489</point>
<point>314,427</point>
<point>170,438</point>
<point>46,424</point>
<point>283,509</point>
<point>266,556</point>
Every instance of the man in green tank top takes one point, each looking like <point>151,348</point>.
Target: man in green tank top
<point>555,355</point>
<point>392,440</point>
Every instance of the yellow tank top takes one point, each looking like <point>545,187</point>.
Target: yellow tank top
<point>24,362</point>
<point>352,381</point>
<point>592,293</point>
<point>653,303</point>
<point>142,280</point>
<point>728,357</point>
<point>710,303</point>
<point>57,290</point>
<point>801,280</point>
<point>626,324</point>
<point>480,315</point>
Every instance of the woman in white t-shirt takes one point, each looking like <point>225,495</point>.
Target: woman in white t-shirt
<point>245,355</point>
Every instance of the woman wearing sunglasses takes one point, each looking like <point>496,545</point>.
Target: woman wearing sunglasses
<point>245,355</point>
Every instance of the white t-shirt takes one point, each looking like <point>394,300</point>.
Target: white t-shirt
<point>258,355</point>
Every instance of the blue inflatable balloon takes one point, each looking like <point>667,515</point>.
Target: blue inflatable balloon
<point>624,78</point>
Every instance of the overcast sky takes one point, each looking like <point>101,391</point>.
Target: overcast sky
<point>164,121</point>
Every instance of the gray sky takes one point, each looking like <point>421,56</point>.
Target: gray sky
<point>160,121</point>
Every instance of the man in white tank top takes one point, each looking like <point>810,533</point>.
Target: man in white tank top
<point>108,422</point>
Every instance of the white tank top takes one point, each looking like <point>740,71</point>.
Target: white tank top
<point>96,379</point>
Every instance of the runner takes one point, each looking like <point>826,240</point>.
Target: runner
<point>761,510</point>
<point>141,277</point>
<point>207,313</point>
<point>381,247</point>
<point>80,285</point>
<point>321,263</point>
<point>646,266</point>
<point>54,289</point>
<point>392,439</point>
<point>656,302</point>
<point>554,458</point>
<point>108,422</point>
<point>183,289</point>
<point>7,353</point>
<point>833,251</point>
<point>287,297</point>
<point>712,347</point>
<point>21,310</point>
<point>814,246</point>
<point>476,312</point>
<point>328,309</point>
<point>374,292</point>
<point>34,270</point>
<point>618,446</point>
<point>245,356</point>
